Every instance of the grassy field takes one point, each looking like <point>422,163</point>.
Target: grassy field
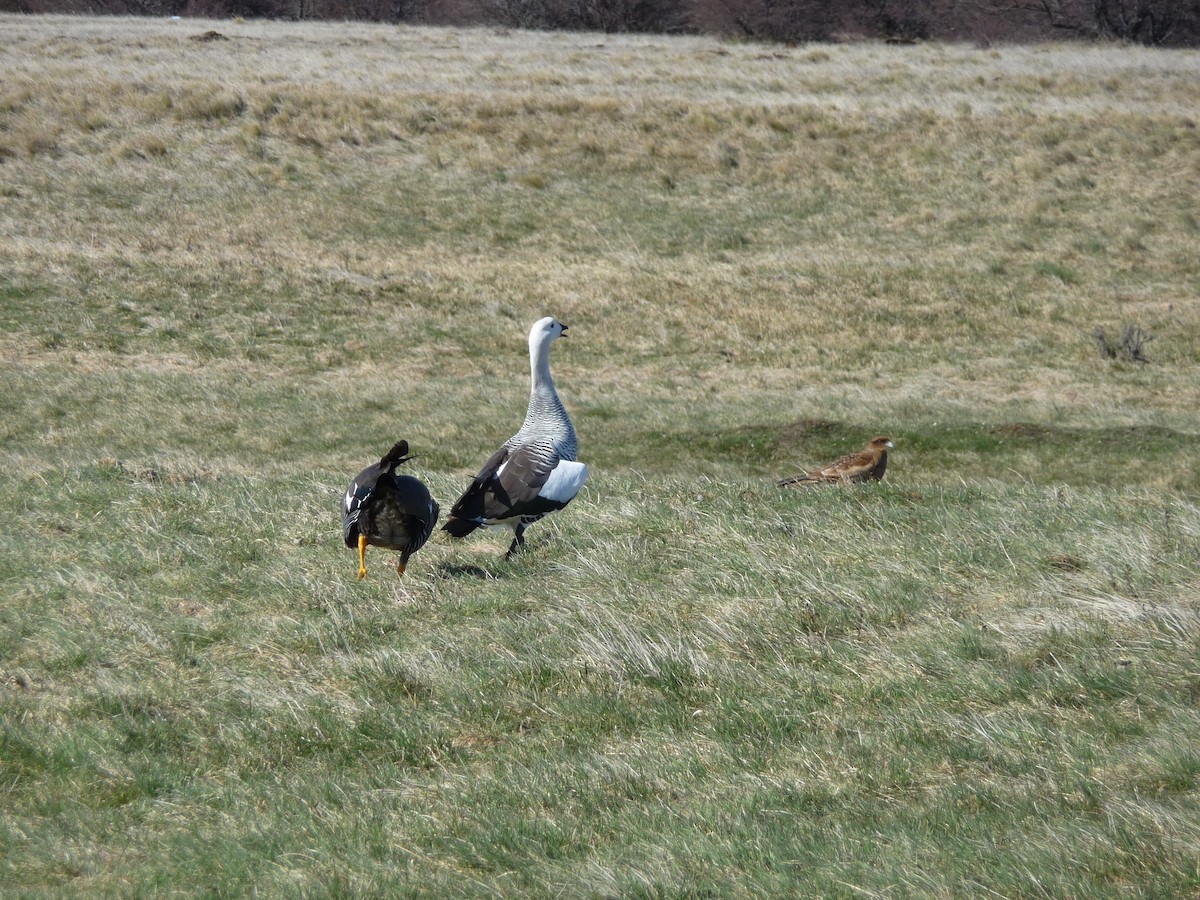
<point>233,272</point>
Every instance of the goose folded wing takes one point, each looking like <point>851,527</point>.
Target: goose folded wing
<point>527,480</point>
<point>536,480</point>
<point>355,498</point>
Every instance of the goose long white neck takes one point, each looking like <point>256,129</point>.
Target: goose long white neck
<point>539,364</point>
<point>546,419</point>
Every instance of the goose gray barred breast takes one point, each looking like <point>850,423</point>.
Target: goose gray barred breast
<point>385,509</point>
<point>535,471</point>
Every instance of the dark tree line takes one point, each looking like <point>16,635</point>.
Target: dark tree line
<point>1148,22</point>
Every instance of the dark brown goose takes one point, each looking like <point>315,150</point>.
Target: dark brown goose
<point>388,510</point>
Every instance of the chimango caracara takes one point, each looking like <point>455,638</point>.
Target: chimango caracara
<point>867,464</point>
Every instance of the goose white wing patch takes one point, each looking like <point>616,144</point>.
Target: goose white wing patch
<point>564,482</point>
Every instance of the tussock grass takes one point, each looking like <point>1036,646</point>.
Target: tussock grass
<point>881,686</point>
<point>232,273</point>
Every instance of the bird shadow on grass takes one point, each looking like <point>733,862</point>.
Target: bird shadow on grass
<point>458,570</point>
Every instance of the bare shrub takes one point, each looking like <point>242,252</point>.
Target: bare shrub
<point>776,20</point>
<point>365,10</point>
<point>609,16</point>
<point>902,20</point>
<point>1149,22</point>
<point>819,20</point>
<point>1130,348</point>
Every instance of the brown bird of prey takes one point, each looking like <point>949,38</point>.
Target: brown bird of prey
<point>868,464</point>
<point>388,510</point>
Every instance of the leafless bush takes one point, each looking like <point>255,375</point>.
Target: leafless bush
<point>1130,348</point>
<point>1150,22</point>
<point>817,20</point>
<point>776,20</point>
<point>903,20</point>
<point>363,10</point>
<point>609,16</point>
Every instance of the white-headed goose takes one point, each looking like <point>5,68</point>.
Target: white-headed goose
<point>534,472</point>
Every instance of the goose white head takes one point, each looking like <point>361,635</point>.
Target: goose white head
<point>544,331</point>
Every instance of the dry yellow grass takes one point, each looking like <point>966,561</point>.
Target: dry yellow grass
<point>888,237</point>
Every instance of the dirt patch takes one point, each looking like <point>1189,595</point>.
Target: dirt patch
<point>804,430</point>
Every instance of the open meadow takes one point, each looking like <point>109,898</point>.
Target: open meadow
<point>234,270</point>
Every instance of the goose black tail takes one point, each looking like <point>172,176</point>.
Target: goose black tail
<point>459,527</point>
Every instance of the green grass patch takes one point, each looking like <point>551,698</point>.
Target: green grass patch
<point>663,681</point>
